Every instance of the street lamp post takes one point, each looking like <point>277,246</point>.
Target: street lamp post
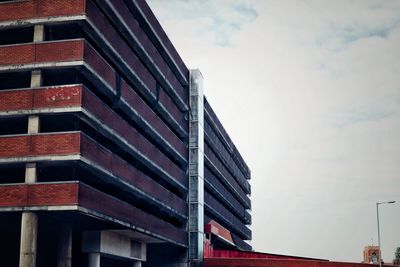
<point>379,235</point>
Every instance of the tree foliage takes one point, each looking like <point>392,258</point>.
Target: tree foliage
<point>397,254</point>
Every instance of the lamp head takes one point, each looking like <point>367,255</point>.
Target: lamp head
<point>386,202</point>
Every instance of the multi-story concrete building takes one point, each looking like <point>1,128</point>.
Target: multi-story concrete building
<point>109,153</point>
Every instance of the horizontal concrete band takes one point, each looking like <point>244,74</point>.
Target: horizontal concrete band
<point>68,194</point>
<point>213,141</point>
<point>29,148</point>
<point>218,189</point>
<point>226,160</point>
<point>66,96</point>
<point>214,202</point>
<point>212,156</point>
<point>215,187</point>
<point>218,128</point>
<point>226,220</point>
<point>77,52</point>
<point>232,186</point>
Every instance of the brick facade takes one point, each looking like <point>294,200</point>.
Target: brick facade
<point>37,145</point>
<point>40,8</point>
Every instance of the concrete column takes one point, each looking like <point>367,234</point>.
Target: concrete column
<point>137,264</point>
<point>30,173</point>
<point>64,249</point>
<point>94,260</point>
<point>29,226</point>
<point>29,220</point>
<point>38,33</point>
<point>27,257</point>
<point>196,170</point>
<point>36,78</point>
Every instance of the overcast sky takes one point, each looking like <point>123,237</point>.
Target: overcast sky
<point>309,91</point>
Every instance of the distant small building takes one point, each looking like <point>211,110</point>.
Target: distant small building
<point>371,254</point>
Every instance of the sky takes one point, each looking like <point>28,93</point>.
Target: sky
<point>309,91</point>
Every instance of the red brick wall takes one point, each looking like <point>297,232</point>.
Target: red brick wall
<point>245,262</point>
<point>55,144</point>
<point>63,96</point>
<point>38,194</point>
<point>217,229</point>
<point>59,51</point>
<point>53,194</point>
<point>41,52</point>
<point>51,97</point>
<point>14,146</point>
<point>99,65</point>
<point>17,54</point>
<point>36,145</point>
<point>237,254</point>
<point>16,100</point>
<point>60,7</point>
<point>19,10</point>
<point>40,8</point>
<point>13,196</point>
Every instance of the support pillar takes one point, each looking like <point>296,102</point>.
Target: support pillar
<point>28,250</point>
<point>36,78</point>
<point>38,33</point>
<point>94,260</point>
<point>29,220</point>
<point>64,249</point>
<point>29,227</point>
<point>196,170</point>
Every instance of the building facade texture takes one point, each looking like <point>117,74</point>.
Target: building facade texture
<point>110,155</point>
<point>371,254</point>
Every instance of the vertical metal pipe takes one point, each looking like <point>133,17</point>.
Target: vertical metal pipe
<point>379,235</point>
<point>196,170</point>
<point>379,232</point>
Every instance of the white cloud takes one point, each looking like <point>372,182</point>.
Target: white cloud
<point>217,19</point>
<point>310,93</point>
